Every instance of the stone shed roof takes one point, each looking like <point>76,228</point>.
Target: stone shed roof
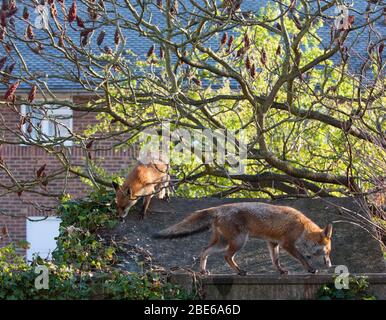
<point>351,245</point>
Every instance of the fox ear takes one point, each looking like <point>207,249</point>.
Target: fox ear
<point>129,192</point>
<point>327,232</point>
<point>115,185</point>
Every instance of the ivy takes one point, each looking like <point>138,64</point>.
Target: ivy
<point>357,290</point>
<point>83,265</point>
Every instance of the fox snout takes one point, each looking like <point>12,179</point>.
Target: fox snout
<point>124,210</point>
<point>320,259</point>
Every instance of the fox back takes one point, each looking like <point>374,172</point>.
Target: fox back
<point>279,224</point>
<point>144,180</point>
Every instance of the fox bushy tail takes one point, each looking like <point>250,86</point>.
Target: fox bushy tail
<point>196,222</point>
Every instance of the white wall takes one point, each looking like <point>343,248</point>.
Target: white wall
<point>41,236</point>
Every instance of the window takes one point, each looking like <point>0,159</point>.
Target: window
<point>41,236</point>
<point>53,122</point>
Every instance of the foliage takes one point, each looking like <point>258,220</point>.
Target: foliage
<point>304,143</point>
<point>17,281</point>
<point>78,241</point>
<point>358,290</point>
<point>283,71</point>
<point>82,265</point>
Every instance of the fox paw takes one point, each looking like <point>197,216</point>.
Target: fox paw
<point>312,270</point>
<point>283,271</point>
<point>204,272</point>
<point>242,273</point>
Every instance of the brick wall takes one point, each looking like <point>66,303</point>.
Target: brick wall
<point>23,161</point>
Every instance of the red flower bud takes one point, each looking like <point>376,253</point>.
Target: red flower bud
<point>32,94</point>
<point>2,62</point>
<point>8,47</point>
<point>248,63</point>
<point>3,19</point>
<point>100,38</point>
<point>79,22</point>
<point>10,68</point>
<point>263,57</point>
<point>230,41</point>
<point>29,32</point>
<point>4,6</point>
<point>253,71</point>
<point>2,34</point>
<point>196,81</point>
<point>117,37</point>
<point>9,95</point>
<point>92,14</point>
<point>25,13</point>
<point>224,39</point>
<point>72,12</point>
<point>240,52</point>
<point>151,51</point>
<point>246,40</point>
<point>278,50</point>
<point>39,172</point>
<point>61,41</point>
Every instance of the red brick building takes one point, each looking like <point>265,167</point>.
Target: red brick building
<point>23,161</point>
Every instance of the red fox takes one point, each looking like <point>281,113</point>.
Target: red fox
<point>145,180</point>
<point>280,226</point>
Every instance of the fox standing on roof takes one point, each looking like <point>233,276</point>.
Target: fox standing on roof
<point>147,179</point>
<point>280,226</point>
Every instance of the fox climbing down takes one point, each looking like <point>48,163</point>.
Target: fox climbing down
<point>280,226</point>
<point>145,180</point>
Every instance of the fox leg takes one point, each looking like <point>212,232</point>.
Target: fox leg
<point>291,249</point>
<point>273,248</point>
<point>146,203</point>
<point>214,246</point>
<point>167,187</point>
<point>234,246</point>
<point>163,188</point>
<point>160,189</point>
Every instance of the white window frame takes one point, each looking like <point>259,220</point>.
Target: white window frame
<point>62,111</point>
<point>34,221</point>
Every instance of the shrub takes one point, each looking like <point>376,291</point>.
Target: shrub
<point>83,266</point>
<point>358,290</point>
